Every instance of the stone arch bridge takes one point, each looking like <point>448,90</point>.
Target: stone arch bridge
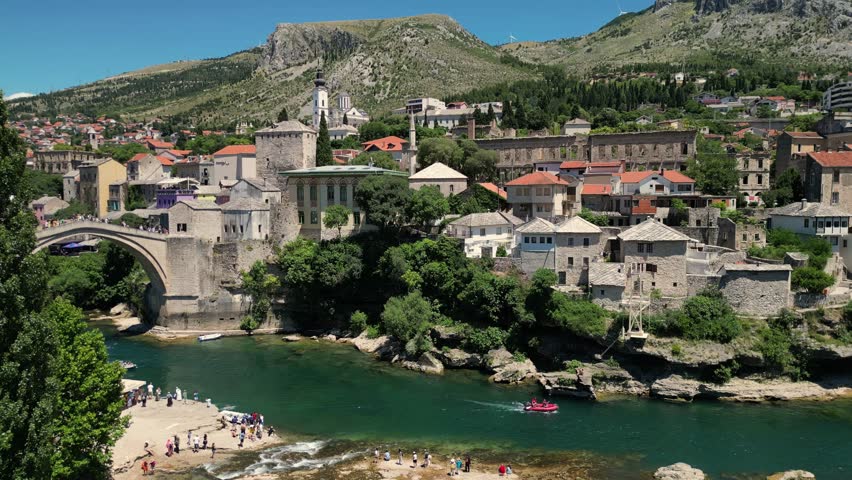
<point>151,249</point>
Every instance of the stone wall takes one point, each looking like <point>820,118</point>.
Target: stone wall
<point>280,151</point>
<point>757,293</point>
<point>670,260</point>
<point>532,261</point>
<point>607,296</point>
<point>697,283</point>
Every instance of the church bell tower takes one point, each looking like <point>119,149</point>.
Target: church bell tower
<point>320,99</point>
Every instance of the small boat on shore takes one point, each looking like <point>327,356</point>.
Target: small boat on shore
<point>209,336</point>
<point>544,407</point>
<point>127,365</point>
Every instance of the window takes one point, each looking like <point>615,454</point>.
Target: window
<point>356,216</point>
<point>602,292</point>
<point>570,261</point>
<point>499,230</point>
<point>241,229</point>
<point>570,241</point>
<point>526,239</point>
<point>314,217</point>
<point>650,267</point>
<point>845,223</point>
<point>835,198</point>
<point>745,237</point>
<point>845,243</point>
<point>452,188</point>
<point>585,243</point>
<point>481,232</point>
<point>301,218</point>
<point>807,222</point>
<point>756,237</point>
<point>343,194</point>
<point>550,240</point>
<point>259,228</point>
<point>684,148</point>
<point>760,164</point>
<point>835,177</point>
<point>745,179</point>
<point>329,193</point>
<point>674,284</point>
<point>585,261</point>
<point>834,241</point>
<point>820,224</point>
<point>760,179</point>
<point>181,227</point>
<point>534,240</point>
<point>837,224</point>
<point>313,193</point>
<point>562,278</point>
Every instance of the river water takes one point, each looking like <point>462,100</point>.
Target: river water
<point>324,391</point>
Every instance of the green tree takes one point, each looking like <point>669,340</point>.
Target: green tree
<point>259,285</point>
<point>123,153</point>
<point>714,171</point>
<point>383,198</point>
<point>408,319</point>
<point>708,316</point>
<point>426,206</point>
<point>282,115</point>
<point>594,218</point>
<point>811,279</point>
<point>444,150</point>
<point>41,183</point>
<point>74,208</point>
<point>373,130</point>
<point>324,153</point>
<point>378,159</point>
<point>345,119</point>
<point>481,166</point>
<point>135,199</point>
<point>336,216</point>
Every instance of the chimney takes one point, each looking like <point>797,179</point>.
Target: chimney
<point>804,203</point>
<point>471,127</point>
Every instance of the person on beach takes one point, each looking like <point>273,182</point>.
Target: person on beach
<point>452,467</point>
<point>502,470</point>
<point>144,468</point>
<point>213,450</point>
<point>467,463</point>
<point>195,396</point>
<point>195,443</point>
<point>152,466</point>
<point>400,457</point>
<point>428,462</point>
<point>387,455</point>
<point>169,400</point>
<point>376,455</point>
<point>270,431</point>
<point>204,442</point>
<point>508,470</point>
<point>178,394</point>
<point>170,448</point>
<point>144,399</point>
<point>242,437</point>
<point>458,465</point>
<point>157,394</point>
<point>414,459</point>
<point>177,444</point>
<point>189,439</point>
<point>150,389</point>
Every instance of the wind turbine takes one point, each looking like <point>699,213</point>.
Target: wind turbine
<point>620,11</point>
<point>512,38</point>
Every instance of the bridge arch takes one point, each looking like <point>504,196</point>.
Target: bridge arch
<point>150,249</point>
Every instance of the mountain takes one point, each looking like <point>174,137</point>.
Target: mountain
<point>378,62</point>
<point>792,32</point>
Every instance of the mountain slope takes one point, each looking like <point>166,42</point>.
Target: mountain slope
<point>789,31</point>
<point>379,62</point>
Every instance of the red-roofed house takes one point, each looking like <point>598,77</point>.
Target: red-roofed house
<point>158,146</point>
<point>494,189</point>
<point>175,155</point>
<point>146,167</point>
<point>393,145</point>
<point>234,162</point>
<point>653,182</point>
<point>828,178</point>
<point>542,195</point>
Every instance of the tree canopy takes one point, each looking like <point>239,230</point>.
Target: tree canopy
<point>324,153</point>
<point>384,199</point>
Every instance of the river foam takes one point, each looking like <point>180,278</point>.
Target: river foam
<point>285,458</point>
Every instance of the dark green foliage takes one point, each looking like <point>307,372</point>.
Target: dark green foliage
<point>409,319</point>
<point>74,208</point>
<point>358,322</point>
<point>593,218</point>
<point>482,340</point>
<point>427,205</point>
<point>131,220</point>
<point>780,241</point>
<point>41,183</point>
<point>282,115</point>
<point>476,199</point>
<point>811,279</point>
<point>378,159</point>
<point>707,316</point>
<point>787,188</point>
<point>443,150</point>
<point>781,350</point>
<point>580,317</point>
<point>324,153</point>
<point>123,153</point>
<point>725,372</point>
<point>135,199</point>
<point>336,216</point>
<point>714,171</point>
<point>210,144</point>
<point>384,199</point>
<point>259,285</point>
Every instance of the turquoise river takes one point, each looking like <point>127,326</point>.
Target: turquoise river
<point>326,391</point>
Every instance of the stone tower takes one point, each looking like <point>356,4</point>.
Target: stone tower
<point>320,99</point>
<point>284,146</point>
<point>411,148</point>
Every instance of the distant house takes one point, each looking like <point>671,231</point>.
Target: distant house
<point>484,233</point>
<point>567,248</point>
<point>449,181</point>
<point>342,131</point>
<point>826,221</point>
<point>655,254</point>
<point>828,178</point>
<point>234,162</point>
<point>651,182</point>
<point>576,126</point>
<point>393,145</point>
<point>158,146</point>
<point>644,120</point>
<point>541,195</point>
<point>95,179</point>
<point>46,207</point>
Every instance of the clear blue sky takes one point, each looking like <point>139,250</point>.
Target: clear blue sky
<point>53,44</point>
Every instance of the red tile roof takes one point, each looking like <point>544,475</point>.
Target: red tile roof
<point>832,159</point>
<point>159,144</point>
<point>179,153</point>
<point>776,99</point>
<point>676,177</point>
<point>137,157</point>
<point>597,189</point>
<point>387,144</point>
<point>237,150</point>
<point>166,162</point>
<point>494,189</point>
<point>537,178</point>
<point>573,164</point>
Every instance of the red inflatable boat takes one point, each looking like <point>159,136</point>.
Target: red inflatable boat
<point>545,407</point>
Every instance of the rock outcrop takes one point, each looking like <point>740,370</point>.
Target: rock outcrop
<point>792,475</point>
<point>427,363</point>
<point>568,384</point>
<point>384,347</point>
<point>679,471</point>
<point>678,388</point>
<point>456,358</point>
<point>508,370</point>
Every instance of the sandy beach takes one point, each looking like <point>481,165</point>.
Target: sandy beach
<point>156,422</point>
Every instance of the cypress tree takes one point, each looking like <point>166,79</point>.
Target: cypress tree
<point>282,115</point>
<point>345,119</point>
<point>324,154</point>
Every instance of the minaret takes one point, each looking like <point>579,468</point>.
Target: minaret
<point>320,99</point>
<point>412,145</point>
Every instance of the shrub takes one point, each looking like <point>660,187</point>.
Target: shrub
<point>707,316</point>
<point>847,314</point>
<point>573,365</point>
<point>501,251</point>
<point>373,332</point>
<point>407,317</point>
<point>612,362</point>
<point>519,356</point>
<point>725,372</point>
<point>358,321</point>
<point>677,350</point>
<point>481,340</point>
<point>780,352</point>
<point>579,317</point>
<point>811,279</point>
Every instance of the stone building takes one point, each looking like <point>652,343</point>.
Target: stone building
<point>826,221</point>
<point>234,162</point>
<point>449,181</point>
<point>245,219</point>
<point>198,168</point>
<point>484,233</point>
<point>70,185</point>
<point>669,149</point>
<point>95,179</point>
<point>567,248</point>
<point>754,170</point>
<point>196,218</point>
<point>606,284</point>
<point>313,190</point>
<point>62,161</point>
<point>145,166</point>
<point>759,290</point>
<point>284,146</point>
<point>828,178</point>
<point>741,235</point>
<point>256,189</point>
<point>654,256</point>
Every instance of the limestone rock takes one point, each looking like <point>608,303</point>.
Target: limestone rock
<point>496,359</point>
<point>456,358</point>
<point>384,346</point>
<point>792,475</point>
<point>675,387</point>
<point>567,384</point>
<point>449,336</point>
<point>330,338</point>
<point>292,338</point>
<point>679,471</point>
<point>427,363</point>
<point>120,310</point>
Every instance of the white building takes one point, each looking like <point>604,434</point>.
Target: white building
<point>320,106</point>
<point>817,219</point>
<point>484,233</point>
<point>234,162</point>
